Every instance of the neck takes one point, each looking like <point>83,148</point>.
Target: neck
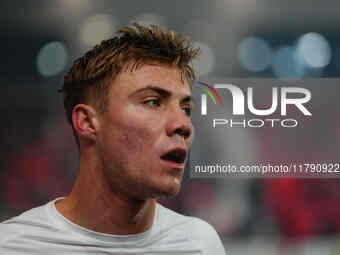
<point>93,205</point>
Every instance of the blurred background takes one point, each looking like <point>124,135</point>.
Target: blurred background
<point>238,38</point>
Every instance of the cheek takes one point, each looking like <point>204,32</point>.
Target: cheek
<point>137,136</point>
<point>130,136</point>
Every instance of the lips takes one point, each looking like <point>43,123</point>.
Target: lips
<point>176,156</point>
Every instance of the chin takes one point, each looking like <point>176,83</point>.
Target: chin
<point>155,189</point>
<point>169,190</point>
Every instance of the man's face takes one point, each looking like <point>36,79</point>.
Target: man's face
<point>146,132</point>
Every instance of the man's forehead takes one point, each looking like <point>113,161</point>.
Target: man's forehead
<point>152,76</point>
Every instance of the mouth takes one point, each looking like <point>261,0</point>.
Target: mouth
<point>175,157</point>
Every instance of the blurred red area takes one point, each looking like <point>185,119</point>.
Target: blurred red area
<point>305,207</point>
<point>41,172</point>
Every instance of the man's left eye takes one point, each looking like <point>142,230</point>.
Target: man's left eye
<point>153,102</point>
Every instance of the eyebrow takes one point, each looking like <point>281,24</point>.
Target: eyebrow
<point>164,93</point>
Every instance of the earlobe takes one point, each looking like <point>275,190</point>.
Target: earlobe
<point>85,121</point>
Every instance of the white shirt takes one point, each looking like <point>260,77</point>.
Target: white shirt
<point>43,230</point>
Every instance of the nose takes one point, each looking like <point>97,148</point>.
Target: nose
<point>179,124</point>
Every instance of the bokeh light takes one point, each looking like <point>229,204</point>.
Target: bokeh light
<point>285,63</point>
<point>97,28</point>
<point>314,50</point>
<point>206,62</point>
<point>254,54</point>
<point>51,59</point>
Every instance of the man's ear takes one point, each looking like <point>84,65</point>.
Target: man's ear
<point>85,121</point>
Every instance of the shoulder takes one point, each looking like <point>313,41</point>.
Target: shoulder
<point>198,231</point>
<point>204,234</point>
<point>15,228</point>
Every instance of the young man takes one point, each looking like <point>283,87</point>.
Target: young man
<point>129,103</point>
